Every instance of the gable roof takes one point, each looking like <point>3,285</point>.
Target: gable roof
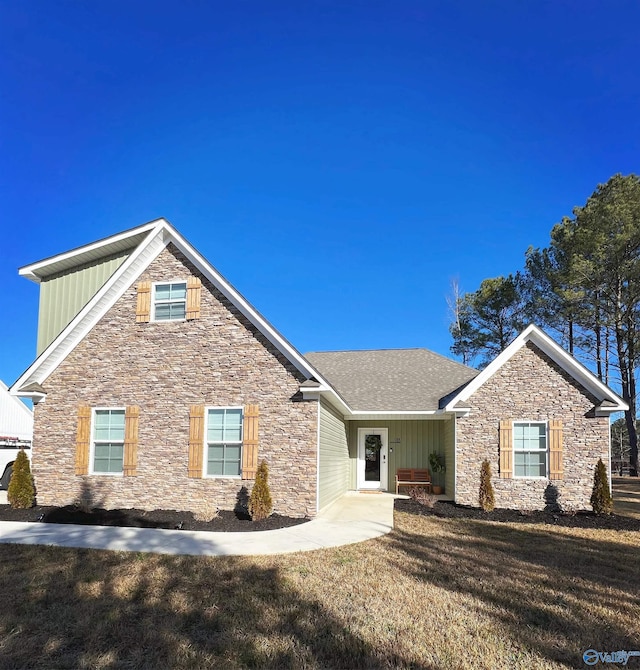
<point>391,380</point>
<point>608,401</point>
<point>151,239</point>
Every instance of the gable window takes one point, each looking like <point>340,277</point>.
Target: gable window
<point>108,440</point>
<point>224,442</point>
<point>170,301</point>
<point>530,449</point>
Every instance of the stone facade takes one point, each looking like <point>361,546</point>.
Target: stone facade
<point>218,360</point>
<point>530,386</point>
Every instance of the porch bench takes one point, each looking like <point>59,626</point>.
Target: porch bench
<point>413,477</point>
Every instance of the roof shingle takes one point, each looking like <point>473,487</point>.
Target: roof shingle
<point>391,379</point>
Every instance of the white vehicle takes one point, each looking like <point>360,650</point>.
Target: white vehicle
<point>9,448</point>
<point>16,432</point>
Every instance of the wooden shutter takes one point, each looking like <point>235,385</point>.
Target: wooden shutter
<point>194,288</point>
<point>506,449</point>
<point>555,449</point>
<point>82,440</point>
<point>143,309</point>
<point>131,441</point>
<point>196,440</point>
<point>250,442</point>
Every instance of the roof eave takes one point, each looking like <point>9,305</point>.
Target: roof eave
<point>37,271</point>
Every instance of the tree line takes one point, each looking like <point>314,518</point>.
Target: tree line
<point>584,287</point>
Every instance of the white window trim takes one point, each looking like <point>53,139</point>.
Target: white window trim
<point>153,300</point>
<point>92,442</point>
<point>514,451</point>
<point>205,454</point>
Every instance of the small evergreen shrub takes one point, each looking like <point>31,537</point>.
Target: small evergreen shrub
<point>485,497</point>
<point>21,492</point>
<point>260,503</point>
<point>601,500</point>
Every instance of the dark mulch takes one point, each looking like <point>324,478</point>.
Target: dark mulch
<point>449,510</point>
<point>227,521</point>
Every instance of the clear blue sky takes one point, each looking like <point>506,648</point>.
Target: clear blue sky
<point>338,162</point>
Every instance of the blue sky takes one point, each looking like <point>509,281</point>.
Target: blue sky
<point>338,162</point>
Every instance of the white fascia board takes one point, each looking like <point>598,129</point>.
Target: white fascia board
<point>159,236</point>
<point>31,271</point>
<point>556,353</point>
<point>393,415</point>
<point>92,312</point>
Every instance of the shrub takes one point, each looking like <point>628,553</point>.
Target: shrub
<point>208,513</point>
<point>21,492</point>
<point>421,496</point>
<point>601,500</point>
<point>486,498</point>
<point>260,504</point>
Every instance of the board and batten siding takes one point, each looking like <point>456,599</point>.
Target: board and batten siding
<point>63,295</point>
<point>334,464</point>
<point>410,443</point>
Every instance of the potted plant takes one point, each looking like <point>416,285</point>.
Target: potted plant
<point>436,461</point>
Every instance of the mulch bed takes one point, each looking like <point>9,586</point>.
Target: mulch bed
<point>227,520</point>
<point>449,510</point>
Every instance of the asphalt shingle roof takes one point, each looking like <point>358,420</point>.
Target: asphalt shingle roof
<point>391,379</point>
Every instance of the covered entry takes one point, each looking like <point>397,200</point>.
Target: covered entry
<point>373,458</point>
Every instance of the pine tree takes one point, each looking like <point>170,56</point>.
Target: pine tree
<point>486,488</point>
<point>601,500</point>
<point>21,492</point>
<point>260,504</point>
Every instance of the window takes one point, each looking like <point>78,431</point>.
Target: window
<point>108,440</point>
<point>530,449</point>
<point>170,301</point>
<point>224,441</point>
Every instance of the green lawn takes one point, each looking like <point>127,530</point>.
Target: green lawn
<point>433,594</point>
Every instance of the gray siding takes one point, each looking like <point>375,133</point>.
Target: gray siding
<point>410,443</point>
<point>334,456</point>
<point>63,295</point>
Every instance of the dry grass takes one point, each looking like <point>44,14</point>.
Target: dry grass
<point>434,593</point>
<point>626,496</point>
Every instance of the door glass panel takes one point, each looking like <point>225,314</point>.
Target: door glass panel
<point>372,446</point>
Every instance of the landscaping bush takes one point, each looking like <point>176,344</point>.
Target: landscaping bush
<point>21,492</point>
<point>260,503</point>
<point>421,496</point>
<point>601,500</point>
<point>486,498</point>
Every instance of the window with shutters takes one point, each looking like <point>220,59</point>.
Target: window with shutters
<point>108,438</point>
<point>530,447</point>
<point>170,301</point>
<point>223,442</point>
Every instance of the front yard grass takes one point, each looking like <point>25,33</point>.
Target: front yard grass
<point>435,593</point>
<point>626,496</point>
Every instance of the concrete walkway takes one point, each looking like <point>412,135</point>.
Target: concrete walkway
<point>352,518</point>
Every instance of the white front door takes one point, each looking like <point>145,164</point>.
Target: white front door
<point>372,458</point>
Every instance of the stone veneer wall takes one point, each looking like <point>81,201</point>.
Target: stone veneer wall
<point>530,386</point>
<point>219,359</point>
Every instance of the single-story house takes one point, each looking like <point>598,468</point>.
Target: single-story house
<point>158,385</point>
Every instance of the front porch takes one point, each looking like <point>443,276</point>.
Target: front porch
<point>377,449</point>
